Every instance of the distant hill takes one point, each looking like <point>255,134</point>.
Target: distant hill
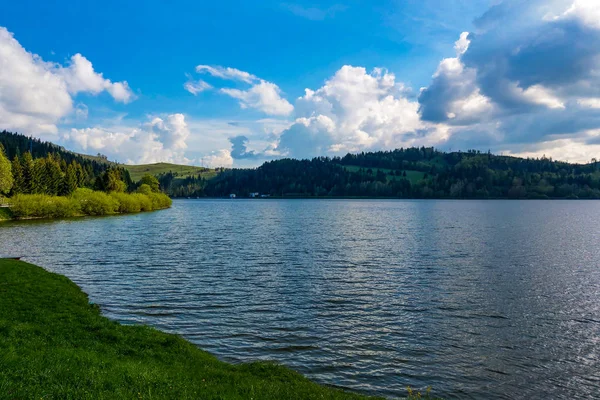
<point>181,171</point>
<point>413,173</point>
<point>401,173</point>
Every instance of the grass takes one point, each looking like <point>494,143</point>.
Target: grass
<point>137,171</point>
<point>55,344</point>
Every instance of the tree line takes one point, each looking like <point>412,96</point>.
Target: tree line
<point>405,173</point>
<point>43,168</point>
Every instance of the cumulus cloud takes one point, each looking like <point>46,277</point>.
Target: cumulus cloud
<point>217,159</point>
<point>529,75</point>
<point>81,77</point>
<point>35,95</point>
<point>158,140</point>
<point>354,110</point>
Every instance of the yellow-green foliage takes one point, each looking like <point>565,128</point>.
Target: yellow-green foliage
<point>159,200</point>
<point>144,201</point>
<point>95,203</point>
<point>85,202</point>
<point>127,202</point>
<point>43,206</point>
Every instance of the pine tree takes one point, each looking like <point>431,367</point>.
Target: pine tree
<point>70,180</point>
<point>17,171</point>
<point>82,177</point>
<point>27,165</point>
<point>53,175</point>
<point>6,177</point>
<point>38,177</point>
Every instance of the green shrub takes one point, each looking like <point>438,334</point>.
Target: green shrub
<point>160,200</point>
<point>145,201</point>
<point>43,206</point>
<point>95,203</point>
<point>144,189</point>
<point>127,203</point>
<point>86,202</point>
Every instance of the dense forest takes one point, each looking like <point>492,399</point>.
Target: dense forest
<point>39,167</point>
<point>405,173</point>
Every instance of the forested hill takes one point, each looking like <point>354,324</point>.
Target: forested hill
<point>16,144</point>
<point>412,173</point>
<point>38,167</point>
<point>402,173</point>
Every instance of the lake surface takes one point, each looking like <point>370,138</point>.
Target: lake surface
<point>478,299</point>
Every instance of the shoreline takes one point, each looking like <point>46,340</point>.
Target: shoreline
<point>8,218</point>
<point>66,348</point>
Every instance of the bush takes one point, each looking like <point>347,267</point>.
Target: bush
<point>85,202</point>
<point>160,200</point>
<point>43,206</point>
<point>144,189</point>
<point>95,203</point>
<point>127,203</point>
<point>145,201</point>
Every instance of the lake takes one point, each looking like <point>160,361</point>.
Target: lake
<point>478,299</point>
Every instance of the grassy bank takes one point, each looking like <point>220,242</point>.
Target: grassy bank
<point>83,202</point>
<point>54,344</point>
<point>137,171</point>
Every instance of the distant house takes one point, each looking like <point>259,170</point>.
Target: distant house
<point>265,195</point>
<point>255,194</point>
<point>232,196</point>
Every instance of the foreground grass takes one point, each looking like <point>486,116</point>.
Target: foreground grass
<point>137,171</point>
<point>54,344</point>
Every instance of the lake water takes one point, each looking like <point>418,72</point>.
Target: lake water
<point>478,299</point>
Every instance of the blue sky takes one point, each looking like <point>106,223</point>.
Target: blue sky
<point>111,77</point>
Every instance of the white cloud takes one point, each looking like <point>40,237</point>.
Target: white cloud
<point>220,158</point>
<point>159,140</point>
<point>538,94</point>
<point>263,96</point>
<point>227,73</point>
<point>195,87</point>
<point>587,11</point>
<point>353,111</point>
<point>571,150</point>
<point>593,102</point>
<point>35,95</point>
<point>81,77</point>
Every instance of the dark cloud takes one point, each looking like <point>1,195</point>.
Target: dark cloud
<point>239,150</point>
<point>534,64</point>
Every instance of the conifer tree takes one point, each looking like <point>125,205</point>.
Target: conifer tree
<point>17,171</point>
<point>27,165</point>
<point>6,177</point>
<point>70,180</point>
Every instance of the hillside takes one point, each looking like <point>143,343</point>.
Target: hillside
<point>401,173</point>
<point>413,173</point>
<point>181,171</point>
